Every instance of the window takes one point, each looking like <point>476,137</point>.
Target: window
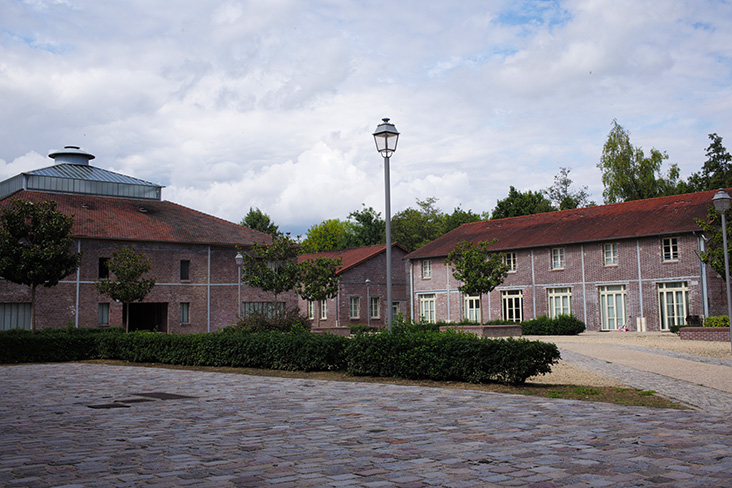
<point>560,302</point>
<point>375,313</point>
<point>185,270</point>
<point>472,308</point>
<point>670,249</point>
<point>426,269</point>
<point>104,268</point>
<point>427,308</point>
<point>311,310</point>
<point>185,309</point>
<point>323,309</point>
<point>394,309</point>
<point>610,254</point>
<point>103,314</point>
<point>509,258</point>
<point>513,305</point>
<point>261,308</point>
<point>15,316</point>
<point>612,307</point>
<point>558,258</point>
<point>673,303</point>
<point>353,307</point>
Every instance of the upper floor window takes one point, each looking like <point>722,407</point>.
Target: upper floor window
<point>509,259</point>
<point>670,249</point>
<point>610,254</point>
<point>426,269</point>
<point>185,270</point>
<point>353,307</point>
<point>558,258</point>
<point>103,268</point>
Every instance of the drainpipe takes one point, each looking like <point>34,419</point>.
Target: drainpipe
<point>411,291</point>
<point>640,281</point>
<point>447,287</point>
<point>208,291</point>
<point>78,281</point>
<point>533,285</point>
<point>703,276</point>
<point>584,282</point>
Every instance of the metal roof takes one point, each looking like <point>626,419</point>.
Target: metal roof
<point>87,172</point>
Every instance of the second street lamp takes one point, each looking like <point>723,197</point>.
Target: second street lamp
<point>721,202</point>
<point>386,137</point>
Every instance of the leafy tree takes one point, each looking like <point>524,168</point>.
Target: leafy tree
<point>478,270</point>
<point>457,218</point>
<point>35,246</point>
<point>258,220</point>
<point>272,267</point>
<point>712,227</point>
<point>128,285</point>
<point>329,235</point>
<point>519,203</point>
<point>369,228</point>
<point>413,228</point>
<point>319,279</point>
<point>563,197</point>
<point>717,170</point>
<point>629,175</point>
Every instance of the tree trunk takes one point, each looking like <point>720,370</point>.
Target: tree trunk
<point>126,307</point>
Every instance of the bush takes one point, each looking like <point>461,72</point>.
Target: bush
<point>717,321</point>
<point>283,321</point>
<point>561,325</point>
<point>51,345</point>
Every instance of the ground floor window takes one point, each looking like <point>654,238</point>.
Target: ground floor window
<point>394,309</point>
<point>673,303</point>
<point>311,310</point>
<point>472,308</point>
<point>560,302</point>
<point>427,308</point>
<point>612,307</point>
<point>374,308</point>
<point>103,314</point>
<point>513,305</point>
<point>353,303</point>
<point>15,316</point>
<point>261,308</point>
<point>323,309</point>
<point>185,312</point>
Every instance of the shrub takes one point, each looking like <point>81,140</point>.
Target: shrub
<point>283,321</point>
<point>561,325</point>
<point>51,345</point>
<point>717,321</point>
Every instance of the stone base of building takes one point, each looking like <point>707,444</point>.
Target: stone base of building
<point>487,330</point>
<point>704,333</point>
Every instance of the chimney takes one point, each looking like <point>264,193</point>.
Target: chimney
<point>71,155</point>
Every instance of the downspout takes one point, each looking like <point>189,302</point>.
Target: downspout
<point>640,279</point>
<point>411,291</point>
<point>447,287</point>
<point>533,285</point>
<point>208,291</point>
<point>584,283</point>
<point>78,284</point>
<point>703,276</point>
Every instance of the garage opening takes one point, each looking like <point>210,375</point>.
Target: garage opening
<point>148,316</point>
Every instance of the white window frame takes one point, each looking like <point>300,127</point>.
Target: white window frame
<point>610,254</point>
<point>15,316</point>
<point>311,309</point>
<point>560,301</point>
<point>426,269</point>
<point>323,309</point>
<point>673,303</point>
<point>670,249</point>
<point>472,308</point>
<point>354,307</point>
<point>557,257</point>
<point>427,308</point>
<point>185,312</point>
<point>613,307</point>
<point>512,305</point>
<point>509,258</point>
<point>103,314</point>
<point>375,307</point>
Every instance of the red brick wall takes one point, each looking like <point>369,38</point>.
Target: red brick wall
<point>704,333</point>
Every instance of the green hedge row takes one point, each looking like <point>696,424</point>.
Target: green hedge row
<point>412,353</point>
<point>561,325</point>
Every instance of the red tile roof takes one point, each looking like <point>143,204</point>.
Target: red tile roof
<point>128,219</point>
<point>655,216</point>
<point>349,257</point>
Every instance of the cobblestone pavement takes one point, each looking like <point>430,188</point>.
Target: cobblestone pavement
<point>87,425</point>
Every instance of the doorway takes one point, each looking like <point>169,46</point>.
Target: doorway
<point>152,317</point>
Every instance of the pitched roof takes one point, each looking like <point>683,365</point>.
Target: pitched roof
<point>639,218</point>
<point>350,257</point>
<point>130,219</point>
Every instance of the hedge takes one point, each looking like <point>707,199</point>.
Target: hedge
<point>407,352</point>
<point>561,325</point>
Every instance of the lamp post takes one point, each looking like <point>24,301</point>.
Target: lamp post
<point>239,263</point>
<point>721,202</point>
<point>386,138</point>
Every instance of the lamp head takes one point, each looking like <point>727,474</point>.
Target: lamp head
<point>721,201</point>
<point>386,137</point>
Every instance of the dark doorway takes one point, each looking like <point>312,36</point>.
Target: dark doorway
<point>149,316</point>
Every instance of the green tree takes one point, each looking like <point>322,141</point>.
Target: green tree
<point>521,203</point>
<point>368,227</point>
<point>319,279</point>
<point>329,235</point>
<point>628,174</point>
<point>717,170</point>
<point>477,269</point>
<point>457,218</point>
<point>413,228</point>
<point>712,227</point>
<point>128,285</point>
<point>35,246</point>
<point>563,197</point>
<point>258,220</point>
<point>272,267</point>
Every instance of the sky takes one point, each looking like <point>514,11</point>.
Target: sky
<point>271,104</point>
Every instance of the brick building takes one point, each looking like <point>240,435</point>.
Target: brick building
<point>362,289</point>
<point>191,253</point>
<point>632,264</point>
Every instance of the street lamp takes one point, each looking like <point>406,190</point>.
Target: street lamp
<point>721,202</point>
<point>239,263</point>
<point>386,138</point>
